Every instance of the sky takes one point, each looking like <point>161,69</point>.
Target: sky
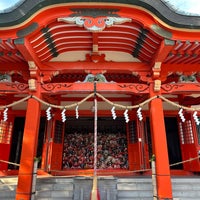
<point>186,6</point>
<point>4,4</point>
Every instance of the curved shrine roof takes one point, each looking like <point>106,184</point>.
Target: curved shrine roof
<point>25,9</point>
<point>58,32</point>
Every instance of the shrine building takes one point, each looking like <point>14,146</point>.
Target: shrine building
<point>138,60</point>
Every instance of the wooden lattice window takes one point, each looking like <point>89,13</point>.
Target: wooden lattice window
<point>133,137</point>
<point>186,132</point>
<point>5,132</point>
<point>198,132</point>
<point>58,132</point>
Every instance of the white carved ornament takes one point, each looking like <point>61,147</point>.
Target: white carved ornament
<point>95,24</point>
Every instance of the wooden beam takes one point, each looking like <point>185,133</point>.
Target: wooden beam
<point>85,66</point>
<point>66,88</point>
<point>72,99</point>
<point>111,88</point>
<point>181,68</point>
<point>13,88</point>
<point>181,88</point>
<point>122,88</point>
<point>165,48</point>
<point>14,66</point>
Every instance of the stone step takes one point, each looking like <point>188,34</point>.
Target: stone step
<point>54,198</point>
<point>134,186</point>
<point>138,180</point>
<point>135,198</point>
<point>106,188</point>
<point>190,194</point>
<point>6,187</point>
<point>58,186</point>
<point>183,187</point>
<point>54,194</point>
<point>186,188</point>
<point>55,180</point>
<point>110,188</point>
<point>8,180</point>
<point>186,198</point>
<point>7,194</point>
<point>134,194</point>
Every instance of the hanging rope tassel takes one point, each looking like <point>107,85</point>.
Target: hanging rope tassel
<point>95,193</point>
<point>5,114</point>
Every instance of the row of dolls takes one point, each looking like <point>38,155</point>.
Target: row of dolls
<point>111,151</point>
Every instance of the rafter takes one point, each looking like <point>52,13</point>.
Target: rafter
<point>25,48</point>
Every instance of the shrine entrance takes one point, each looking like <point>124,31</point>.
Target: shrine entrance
<point>16,144</point>
<point>121,145</point>
<point>115,143</point>
<point>17,138</point>
<point>173,142</point>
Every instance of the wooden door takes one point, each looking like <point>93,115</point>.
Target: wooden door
<point>57,143</point>
<point>47,146</point>
<point>137,145</point>
<point>53,144</point>
<point>189,144</point>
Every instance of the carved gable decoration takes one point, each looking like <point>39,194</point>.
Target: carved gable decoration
<point>5,78</point>
<point>189,78</point>
<point>98,78</point>
<point>94,20</point>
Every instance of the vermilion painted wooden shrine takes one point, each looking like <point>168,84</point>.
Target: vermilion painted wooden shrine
<point>144,59</point>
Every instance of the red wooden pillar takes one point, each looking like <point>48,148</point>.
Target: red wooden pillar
<point>159,141</point>
<point>29,146</point>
